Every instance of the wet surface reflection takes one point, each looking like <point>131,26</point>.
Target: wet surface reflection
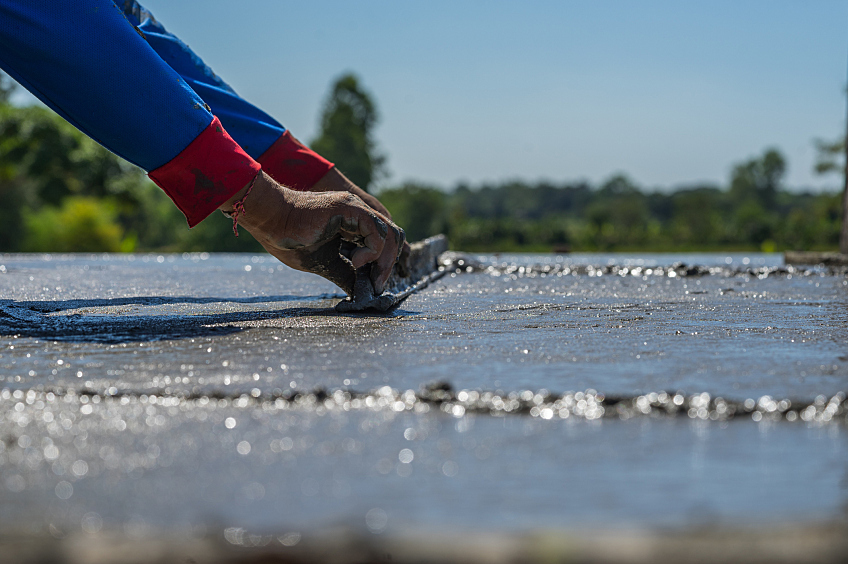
<point>198,393</point>
<point>83,463</point>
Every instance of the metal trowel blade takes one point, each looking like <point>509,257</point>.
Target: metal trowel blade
<point>412,273</point>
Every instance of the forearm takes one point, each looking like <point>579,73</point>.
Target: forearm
<point>293,164</point>
<point>281,155</point>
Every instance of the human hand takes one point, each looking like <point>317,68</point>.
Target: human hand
<point>304,230</point>
<point>335,181</point>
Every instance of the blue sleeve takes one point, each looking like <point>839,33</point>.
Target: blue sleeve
<point>86,61</point>
<point>281,156</point>
<point>252,128</point>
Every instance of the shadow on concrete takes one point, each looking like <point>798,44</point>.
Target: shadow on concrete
<point>31,319</point>
<point>63,305</point>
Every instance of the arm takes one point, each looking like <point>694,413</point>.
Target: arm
<point>83,59</point>
<point>86,61</point>
<point>281,155</point>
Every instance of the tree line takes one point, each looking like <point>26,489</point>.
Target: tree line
<point>61,191</point>
<point>753,212</point>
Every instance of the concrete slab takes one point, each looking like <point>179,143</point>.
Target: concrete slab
<point>145,396</point>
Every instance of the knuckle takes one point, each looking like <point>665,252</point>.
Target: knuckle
<point>348,198</point>
<point>342,199</point>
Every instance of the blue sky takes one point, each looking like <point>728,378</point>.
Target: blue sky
<point>669,92</point>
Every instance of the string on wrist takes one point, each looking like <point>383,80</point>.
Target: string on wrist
<point>238,207</point>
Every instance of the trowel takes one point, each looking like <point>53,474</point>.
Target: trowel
<point>412,272</point>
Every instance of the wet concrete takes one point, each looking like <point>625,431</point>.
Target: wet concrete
<point>143,394</point>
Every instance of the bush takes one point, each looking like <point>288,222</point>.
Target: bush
<point>80,224</point>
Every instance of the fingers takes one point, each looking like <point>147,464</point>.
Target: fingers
<point>382,269</point>
<point>369,232</point>
<point>305,231</point>
<point>383,242</point>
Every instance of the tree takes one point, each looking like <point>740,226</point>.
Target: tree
<point>44,161</point>
<point>420,209</point>
<point>829,156</point>
<point>7,86</point>
<point>833,157</point>
<point>696,219</point>
<point>347,132</point>
<point>758,179</point>
<point>81,224</point>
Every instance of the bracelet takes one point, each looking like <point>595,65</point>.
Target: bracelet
<point>238,207</point>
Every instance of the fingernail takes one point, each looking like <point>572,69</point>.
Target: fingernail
<point>382,228</point>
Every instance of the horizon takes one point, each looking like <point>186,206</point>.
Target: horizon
<point>669,95</point>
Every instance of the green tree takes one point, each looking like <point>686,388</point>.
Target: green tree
<point>81,224</point>
<point>697,218</point>
<point>421,210</point>
<point>44,160</point>
<point>754,186</point>
<point>57,161</point>
<point>7,86</point>
<point>758,179</point>
<point>830,156</point>
<point>619,214</point>
<point>347,132</point>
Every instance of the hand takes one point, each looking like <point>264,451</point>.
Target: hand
<point>335,181</point>
<point>305,229</point>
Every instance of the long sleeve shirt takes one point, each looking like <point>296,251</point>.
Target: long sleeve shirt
<point>116,74</point>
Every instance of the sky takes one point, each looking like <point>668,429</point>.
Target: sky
<point>671,93</point>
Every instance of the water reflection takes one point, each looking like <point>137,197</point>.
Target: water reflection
<point>132,438</point>
<point>297,457</point>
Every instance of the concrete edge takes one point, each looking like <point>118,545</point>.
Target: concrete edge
<point>812,257</point>
<point>822,543</point>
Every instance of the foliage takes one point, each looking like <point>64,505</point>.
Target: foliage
<point>758,180</point>
<point>6,88</point>
<point>755,213</point>
<point>81,224</point>
<point>419,209</point>
<point>829,156</point>
<point>347,132</point>
<point>62,191</point>
<point>45,161</point>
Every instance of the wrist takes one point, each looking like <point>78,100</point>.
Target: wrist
<point>293,164</point>
<point>228,206</point>
<point>333,181</point>
<point>206,173</point>
<point>262,207</point>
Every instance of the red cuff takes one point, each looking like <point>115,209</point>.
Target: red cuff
<point>293,164</point>
<point>206,174</point>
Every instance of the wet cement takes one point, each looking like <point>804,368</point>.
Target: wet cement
<point>143,394</point>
